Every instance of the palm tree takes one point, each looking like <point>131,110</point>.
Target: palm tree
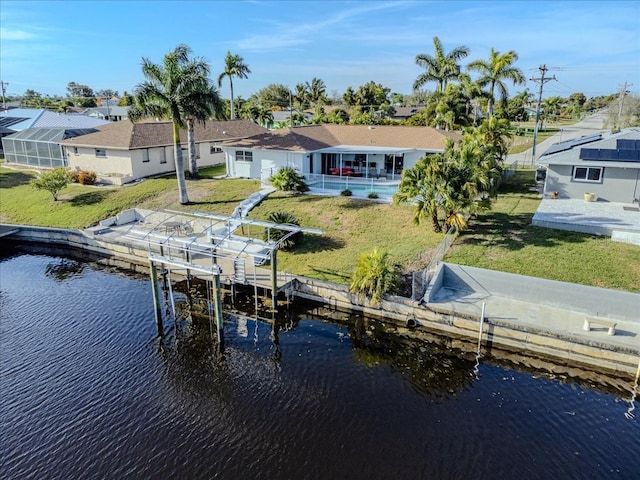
<point>316,92</point>
<point>206,105</point>
<point>420,185</point>
<point>494,71</point>
<point>234,66</point>
<point>172,91</point>
<point>440,68</point>
<point>373,276</point>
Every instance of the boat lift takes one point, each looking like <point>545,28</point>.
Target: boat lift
<point>214,247</point>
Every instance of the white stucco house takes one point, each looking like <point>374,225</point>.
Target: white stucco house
<point>123,151</point>
<point>341,150</point>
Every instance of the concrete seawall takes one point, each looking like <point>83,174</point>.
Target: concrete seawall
<point>529,316</point>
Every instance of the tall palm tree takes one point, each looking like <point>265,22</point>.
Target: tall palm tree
<point>206,105</point>
<point>172,91</point>
<point>495,71</point>
<point>440,67</point>
<point>234,66</point>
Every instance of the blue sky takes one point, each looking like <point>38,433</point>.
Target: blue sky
<point>591,47</point>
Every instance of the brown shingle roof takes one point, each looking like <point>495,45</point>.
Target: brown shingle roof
<point>316,137</point>
<point>127,135</point>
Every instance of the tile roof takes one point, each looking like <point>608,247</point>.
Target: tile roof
<point>316,137</point>
<point>127,135</point>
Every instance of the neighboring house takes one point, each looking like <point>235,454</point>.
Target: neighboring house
<point>122,152</point>
<point>112,113</point>
<point>607,165</point>
<point>39,147</point>
<point>357,150</point>
<point>404,113</point>
<point>19,120</point>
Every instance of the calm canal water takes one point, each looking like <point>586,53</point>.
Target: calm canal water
<point>90,390</point>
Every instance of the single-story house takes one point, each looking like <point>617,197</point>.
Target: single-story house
<point>605,165</point>
<point>356,150</point>
<point>123,151</point>
<point>113,113</point>
<point>405,113</point>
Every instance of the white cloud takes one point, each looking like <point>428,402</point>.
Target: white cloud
<point>8,34</point>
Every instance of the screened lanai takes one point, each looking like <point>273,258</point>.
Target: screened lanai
<point>40,147</point>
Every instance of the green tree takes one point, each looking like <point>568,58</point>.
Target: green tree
<point>495,71</point>
<point>317,92</point>
<point>349,97</point>
<point>52,181</point>
<point>338,116</point>
<point>451,185</point>
<point>374,276</point>
<point>126,100</point>
<point>371,96</point>
<point>287,238</point>
<point>82,95</point>
<point>234,66</point>
<point>205,104</point>
<point>171,91</point>
<point>421,186</point>
<point>441,67</point>
<point>288,180</point>
<point>273,95</point>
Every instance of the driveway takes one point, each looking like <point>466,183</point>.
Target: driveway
<point>587,126</point>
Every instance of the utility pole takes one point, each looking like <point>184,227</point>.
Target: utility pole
<point>542,80</point>
<point>623,93</point>
<point>4,86</point>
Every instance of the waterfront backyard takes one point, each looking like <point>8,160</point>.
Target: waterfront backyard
<point>502,239</point>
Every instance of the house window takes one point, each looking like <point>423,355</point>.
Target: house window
<point>145,155</point>
<point>588,174</point>
<point>101,152</point>
<point>163,156</point>
<point>213,148</point>
<point>244,156</point>
<point>75,150</point>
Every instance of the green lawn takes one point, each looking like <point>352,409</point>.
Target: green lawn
<point>501,240</point>
<point>505,240</point>
<point>80,206</point>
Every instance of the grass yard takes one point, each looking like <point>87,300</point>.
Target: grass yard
<point>505,240</point>
<point>502,239</point>
<point>80,206</point>
<point>351,227</point>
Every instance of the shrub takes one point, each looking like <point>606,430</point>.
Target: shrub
<point>346,192</point>
<point>52,181</point>
<point>87,178</point>
<point>287,179</point>
<point>372,195</point>
<point>275,234</point>
<point>374,276</point>
<point>73,176</point>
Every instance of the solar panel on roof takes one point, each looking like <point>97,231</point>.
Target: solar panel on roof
<point>609,155</point>
<point>8,121</point>
<point>574,142</point>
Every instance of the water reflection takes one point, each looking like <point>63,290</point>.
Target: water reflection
<point>309,393</point>
<point>426,368</point>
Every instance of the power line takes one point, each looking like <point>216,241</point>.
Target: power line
<point>542,80</point>
<point>4,86</point>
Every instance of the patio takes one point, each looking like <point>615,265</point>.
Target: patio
<point>619,221</point>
